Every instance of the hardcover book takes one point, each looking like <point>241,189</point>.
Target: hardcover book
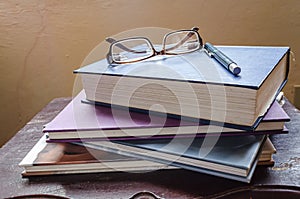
<point>86,122</point>
<point>66,158</point>
<point>266,155</point>
<point>194,85</point>
<point>233,157</point>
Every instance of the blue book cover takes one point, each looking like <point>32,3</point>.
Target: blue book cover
<point>195,82</point>
<point>229,157</point>
<point>256,62</point>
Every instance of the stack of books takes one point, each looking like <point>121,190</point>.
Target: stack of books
<point>137,117</point>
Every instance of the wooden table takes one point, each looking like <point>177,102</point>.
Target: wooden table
<point>282,178</point>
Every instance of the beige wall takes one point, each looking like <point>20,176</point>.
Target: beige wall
<point>42,42</point>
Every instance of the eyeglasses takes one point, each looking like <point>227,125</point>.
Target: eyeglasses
<point>136,49</point>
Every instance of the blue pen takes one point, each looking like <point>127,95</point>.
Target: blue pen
<point>222,59</point>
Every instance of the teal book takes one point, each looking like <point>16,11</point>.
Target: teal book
<point>232,157</point>
<point>194,86</point>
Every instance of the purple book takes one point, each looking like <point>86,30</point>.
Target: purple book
<point>81,121</point>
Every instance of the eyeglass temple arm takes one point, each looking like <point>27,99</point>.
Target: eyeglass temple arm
<point>195,29</point>
<point>112,40</point>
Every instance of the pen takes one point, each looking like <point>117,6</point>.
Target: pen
<point>222,59</point>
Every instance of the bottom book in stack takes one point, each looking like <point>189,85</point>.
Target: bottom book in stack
<point>228,158</point>
<point>67,158</point>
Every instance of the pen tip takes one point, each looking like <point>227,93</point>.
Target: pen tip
<point>235,69</point>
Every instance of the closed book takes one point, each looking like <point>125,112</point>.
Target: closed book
<point>86,122</point>
<point>66,158</point>
<point>265,157</point>
<point>232,157</point>
<point>194,85</point>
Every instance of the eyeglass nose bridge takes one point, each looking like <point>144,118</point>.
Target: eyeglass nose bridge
<point>162,52</point>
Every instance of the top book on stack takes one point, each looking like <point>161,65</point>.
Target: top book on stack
<point>194,85</point>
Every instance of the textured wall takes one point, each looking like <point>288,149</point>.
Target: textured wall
<point>42,42</point>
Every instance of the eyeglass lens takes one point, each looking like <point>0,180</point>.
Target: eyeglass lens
<point>131,50</point>
<point>181,42</point>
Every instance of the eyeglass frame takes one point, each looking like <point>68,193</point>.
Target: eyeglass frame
<point>112,42</point>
